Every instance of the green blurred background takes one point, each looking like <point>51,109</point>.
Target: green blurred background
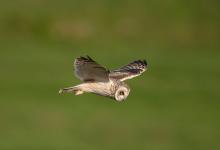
<point>174,105</point>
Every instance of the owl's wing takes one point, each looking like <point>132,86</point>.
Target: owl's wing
<point>129,71</point>
<point>86,69</point>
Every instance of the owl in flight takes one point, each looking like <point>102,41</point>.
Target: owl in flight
<point>97,79</point>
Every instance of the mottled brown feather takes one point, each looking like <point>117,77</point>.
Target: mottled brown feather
<point>86,69</point>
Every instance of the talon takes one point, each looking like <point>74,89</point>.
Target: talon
<point>78,92</point>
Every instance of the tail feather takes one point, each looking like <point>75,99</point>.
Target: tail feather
<point>75,90</point>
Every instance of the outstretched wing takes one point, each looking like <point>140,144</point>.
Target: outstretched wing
<point>86,69</point>
<point>129,71</point>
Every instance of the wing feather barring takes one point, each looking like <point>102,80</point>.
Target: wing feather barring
<point>99,80</point>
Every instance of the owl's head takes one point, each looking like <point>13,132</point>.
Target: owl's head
<point>122,93</point>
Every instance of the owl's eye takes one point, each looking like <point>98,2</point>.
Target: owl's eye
<point>121,93</point>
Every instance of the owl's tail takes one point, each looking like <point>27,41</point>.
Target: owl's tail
<point>75,89</point>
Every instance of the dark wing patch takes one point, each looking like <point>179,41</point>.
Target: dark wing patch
<point>129,71</point>
<point>86,69</point>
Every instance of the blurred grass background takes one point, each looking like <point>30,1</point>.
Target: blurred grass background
<point>174,105</point>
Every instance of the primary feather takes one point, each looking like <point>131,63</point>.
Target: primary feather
<point>97,79</point>
<point>129,71</point>
<point>86,69</point>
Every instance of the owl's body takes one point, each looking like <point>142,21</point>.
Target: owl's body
<point>100,88</point>
<point>101,81</point>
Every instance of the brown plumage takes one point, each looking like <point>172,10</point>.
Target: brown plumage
<point>99,80</point>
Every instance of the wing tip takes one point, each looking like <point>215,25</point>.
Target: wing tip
<point>88,57</point>
<point>84,58</point>
<point>145,62</point>
<point>142,64</point>
<point>141,61</point>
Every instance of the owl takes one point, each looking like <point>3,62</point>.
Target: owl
<point>99,80</point>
